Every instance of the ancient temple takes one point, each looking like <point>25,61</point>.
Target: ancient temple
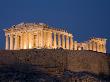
<point>30,35</point>
<point>40,35</point>
<point>94,44</point>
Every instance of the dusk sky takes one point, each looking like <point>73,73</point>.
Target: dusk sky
<point>83,18</point>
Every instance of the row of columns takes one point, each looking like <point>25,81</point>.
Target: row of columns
<point>67,41</point>
<point>94,46</point>
<point>40,39</point>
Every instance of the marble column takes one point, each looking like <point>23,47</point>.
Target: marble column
<point>75,45</point>
<point>37,39</point>
<point>63,41</point>
<point>16,42</point>
<point>44,41</point>
<point>67,42</point>
<point>104,47</point>
<point>42,44</point>
<point>22,38</point>
<point>21,42</point>
<point>30,40</point>
<point>11,42</point>
<point>55,40</point>
<point>50,39</point>
<point>94,46</point>
<point>7,43</point>
<point>90,46</point>
<point>101,48</point>
<point>59,41</point>
<point>97,47</point>
<point>71,42</point>
<point>87,46</point>
<point>25,40</point>
<point>47,39</point>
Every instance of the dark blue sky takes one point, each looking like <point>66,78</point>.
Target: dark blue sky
<point>84,18</point>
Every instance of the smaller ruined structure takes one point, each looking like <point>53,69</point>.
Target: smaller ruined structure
<point>94,44</point>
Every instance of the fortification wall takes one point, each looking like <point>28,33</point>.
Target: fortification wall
<point>75,61</point>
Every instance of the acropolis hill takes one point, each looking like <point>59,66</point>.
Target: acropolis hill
<point>39,53</point>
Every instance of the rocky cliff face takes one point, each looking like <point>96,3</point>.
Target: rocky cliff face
<point>53,64</point>
<point>58,60</point>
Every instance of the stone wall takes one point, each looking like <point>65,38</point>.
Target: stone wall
<point>88,61</point>
<point>58,60</point>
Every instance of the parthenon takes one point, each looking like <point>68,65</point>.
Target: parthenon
<point>40,35</point>
<point>29,35</point>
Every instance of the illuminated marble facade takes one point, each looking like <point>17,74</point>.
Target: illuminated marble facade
<point>94,44</point>
<point>32,35</point>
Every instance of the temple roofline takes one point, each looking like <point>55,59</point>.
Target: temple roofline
<point>23,26</point>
